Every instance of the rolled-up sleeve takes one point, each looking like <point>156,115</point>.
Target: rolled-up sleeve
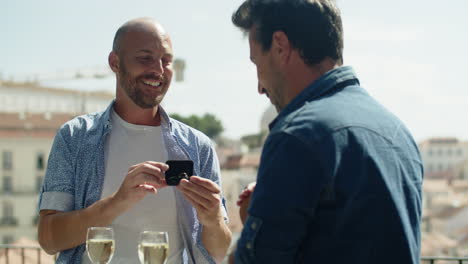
<point>57,192</point>
<point>287,191</point>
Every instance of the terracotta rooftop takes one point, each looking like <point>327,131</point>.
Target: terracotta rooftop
<point>449,211</point>
<point>31,125</point>
<point>460,185</point>
<point>435,185</point>
<point>236,161</point>
<point>432,242</point>
<point>440,140</point>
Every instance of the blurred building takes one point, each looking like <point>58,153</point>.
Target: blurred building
<point>25,251</point>
<point>445,158</point>
<point>29,118</point>
<point>445,194</point>
<point>267,117</point>
<point>33,98</point>
<point>179,69</point>
<point>234,181</point>
<point>445,213</point>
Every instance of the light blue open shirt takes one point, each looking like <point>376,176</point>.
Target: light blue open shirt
<point>75,174</point>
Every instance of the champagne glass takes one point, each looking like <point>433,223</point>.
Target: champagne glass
<point>153,247</point>
<point>100,244</point>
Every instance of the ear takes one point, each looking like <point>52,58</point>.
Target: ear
<point>113,60</point>
<point>281,46</point>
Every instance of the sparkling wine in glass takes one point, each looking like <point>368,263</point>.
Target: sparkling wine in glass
<point>153,247</point>
<point>100,244</point>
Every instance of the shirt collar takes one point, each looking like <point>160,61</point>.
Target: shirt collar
<point>316,89</point>
<point>106,116</point>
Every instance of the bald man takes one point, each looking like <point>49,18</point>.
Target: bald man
<point>107,168</point>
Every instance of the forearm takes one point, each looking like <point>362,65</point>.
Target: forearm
<point>217,239</point>
<point>59,231</point>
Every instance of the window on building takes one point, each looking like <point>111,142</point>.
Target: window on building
<point>7,184</point>
<point>449,152</point>
<point>39,180</point>
<point>459,152</point>
<point>35,220</point>
<point>7,209</point>
<point>40,162</point>
<point>7,239</point>
<point>439,152</point>
<point>8,218</point>
<point>429,152</point>
<point>441,167</point>
<point>7,160</point>
<point>429,168</point>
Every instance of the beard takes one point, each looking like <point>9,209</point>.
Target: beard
<point>130,86</point>
<point>273,100</point>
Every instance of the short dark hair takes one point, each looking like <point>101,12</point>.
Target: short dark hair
<point>117,43</point>
<point>314,27</point>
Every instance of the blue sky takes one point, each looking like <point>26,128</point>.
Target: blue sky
<point>410,55</point>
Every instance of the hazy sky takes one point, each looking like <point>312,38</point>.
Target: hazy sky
<point>410,55</point>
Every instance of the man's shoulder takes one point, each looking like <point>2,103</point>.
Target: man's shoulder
<point>350,108</point>
<point>309,121</point>
<point>350,113</point>
<point>82,124</point>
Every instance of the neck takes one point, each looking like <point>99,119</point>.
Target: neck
<point>303,75</point>
<point>134,114</point>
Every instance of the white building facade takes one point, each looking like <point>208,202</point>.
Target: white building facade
<point>29,118</point>
<point>31,98</point>
<point>23,169</point>
<point>444,158</point>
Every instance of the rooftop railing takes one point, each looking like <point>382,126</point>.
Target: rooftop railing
<point>440,260</point>
<point>10,254</point>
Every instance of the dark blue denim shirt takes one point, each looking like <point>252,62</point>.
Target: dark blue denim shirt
<point>339,182</point>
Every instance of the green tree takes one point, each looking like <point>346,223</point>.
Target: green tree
<point>207,123</point>
<point>254,140</point>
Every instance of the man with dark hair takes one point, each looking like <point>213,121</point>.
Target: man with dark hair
<point>340,176</point>
<point>107,168</point>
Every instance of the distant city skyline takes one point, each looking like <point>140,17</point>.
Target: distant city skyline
<point>409,54</point>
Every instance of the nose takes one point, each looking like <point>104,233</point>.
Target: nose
<point>260,88</point>
<point>157,67</point>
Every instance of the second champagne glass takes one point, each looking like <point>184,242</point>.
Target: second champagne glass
<point>100,244</point>
<point>153,247</point>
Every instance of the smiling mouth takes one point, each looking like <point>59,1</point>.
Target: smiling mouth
<point>155,84</point>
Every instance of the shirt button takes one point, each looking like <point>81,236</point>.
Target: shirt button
<point>253,226</point>
<point>249,245</point>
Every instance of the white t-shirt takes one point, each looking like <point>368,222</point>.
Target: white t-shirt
<point>127,145</point>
